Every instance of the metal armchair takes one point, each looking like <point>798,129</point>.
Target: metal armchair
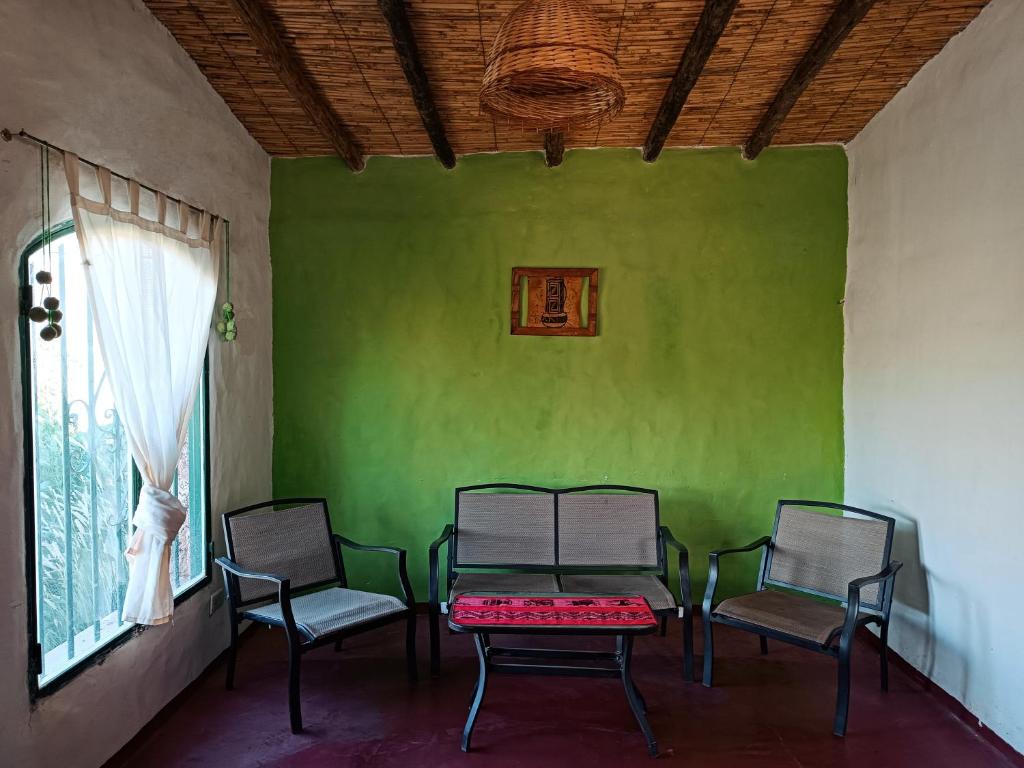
<point>285,568</point>
<point>843,557</point>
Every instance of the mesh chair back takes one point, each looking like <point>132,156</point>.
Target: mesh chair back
<point>294,542</point>
<point>823,553</point>
<point>613,529</point>
<point>495,528</point>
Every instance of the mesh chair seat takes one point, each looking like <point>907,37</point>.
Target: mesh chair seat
<point>826,552</point>
<point>658,595</point>
<point>801,617</point>
<point>608,529</point>
<point>590,529</point>
<point>523,583</point>
<point>295,541</point>
<point>505,529</point>
<point>320,613</point>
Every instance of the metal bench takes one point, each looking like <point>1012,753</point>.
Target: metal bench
<point>590,539</point>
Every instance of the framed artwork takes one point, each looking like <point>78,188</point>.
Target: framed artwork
<point>554,301</point>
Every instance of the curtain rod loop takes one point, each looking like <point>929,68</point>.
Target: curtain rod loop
<point>8,135</point>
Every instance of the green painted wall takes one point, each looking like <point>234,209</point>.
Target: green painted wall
<point>716,377</point>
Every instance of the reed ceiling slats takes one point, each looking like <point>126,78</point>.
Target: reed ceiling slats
<point>346,48</point>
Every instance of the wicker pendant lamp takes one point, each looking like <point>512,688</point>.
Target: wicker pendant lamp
<point>552,66</point>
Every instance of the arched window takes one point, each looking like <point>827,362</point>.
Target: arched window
<point>81,484</point>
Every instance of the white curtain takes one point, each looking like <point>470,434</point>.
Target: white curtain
<point>151,288</point>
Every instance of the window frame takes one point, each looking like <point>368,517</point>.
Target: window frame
<point>25,302</point>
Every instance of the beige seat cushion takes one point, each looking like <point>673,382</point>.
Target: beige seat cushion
<point>790,614</point>
<point>503,582</point>
<point>658,595</point>
<point>320,613</point>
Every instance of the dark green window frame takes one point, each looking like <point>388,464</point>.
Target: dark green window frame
<point>200,416</point>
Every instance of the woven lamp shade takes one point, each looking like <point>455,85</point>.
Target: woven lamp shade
<point>552,66</point>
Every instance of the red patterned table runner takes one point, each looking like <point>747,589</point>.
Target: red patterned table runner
<point>470,610</point>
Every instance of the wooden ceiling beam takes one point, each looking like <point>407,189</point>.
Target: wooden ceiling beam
<point>844,18</point>
<point>289,68</point>
<point>554,148</point>
<point>712,23</point>
<point>404,40</point>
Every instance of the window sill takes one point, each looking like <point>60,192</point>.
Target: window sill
<point>39,691</point>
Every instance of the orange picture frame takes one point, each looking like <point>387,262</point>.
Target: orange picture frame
<point>554,301</point>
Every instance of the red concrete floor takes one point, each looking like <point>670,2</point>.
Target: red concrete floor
<point>359,710</point>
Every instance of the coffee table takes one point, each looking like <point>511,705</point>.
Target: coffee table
<point>565,615</point>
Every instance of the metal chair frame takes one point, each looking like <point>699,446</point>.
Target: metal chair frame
<point>449,537</point>
<point>301,641</point>
<point>875,613</point>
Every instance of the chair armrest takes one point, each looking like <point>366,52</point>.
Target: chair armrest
<point>883,575</point>
<point>762,542</point>
<point>236,570</point>
<point>709,594</point>
<point>672,541</point>
<point>284,590</point>
<point>685,595</point>
<point>366,547</point>
<point>853,595</point>
<point>446,535</point>
<point>403,574</point>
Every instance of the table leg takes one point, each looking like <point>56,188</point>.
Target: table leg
<point>487,645</point>
<point>640,696</point>
<point>636,702</point>
<point>620,650</point>
<point>478,696</point>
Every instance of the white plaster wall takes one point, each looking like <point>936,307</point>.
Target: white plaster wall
<point>106,80</point>
<point>934,361</point>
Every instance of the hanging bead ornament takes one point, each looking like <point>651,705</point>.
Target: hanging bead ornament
<point>49,312</point>
<point>226,325</point>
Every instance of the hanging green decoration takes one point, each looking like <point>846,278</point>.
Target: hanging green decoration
<point>226,325</point>
<point>49,312</point>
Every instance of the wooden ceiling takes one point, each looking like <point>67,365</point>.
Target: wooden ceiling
<point>346,52</point>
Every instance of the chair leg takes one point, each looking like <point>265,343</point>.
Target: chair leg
<point>843,690</point>
<point>435,641</point>
<point>294,706</point>
<point>688,671</point>
<point>410,645</point>
<point>883,637</point>
<point>764,645</point>
<point>229,682</point>
<point>709,650</point>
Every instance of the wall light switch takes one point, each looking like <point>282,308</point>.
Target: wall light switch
<point>216,600</point>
